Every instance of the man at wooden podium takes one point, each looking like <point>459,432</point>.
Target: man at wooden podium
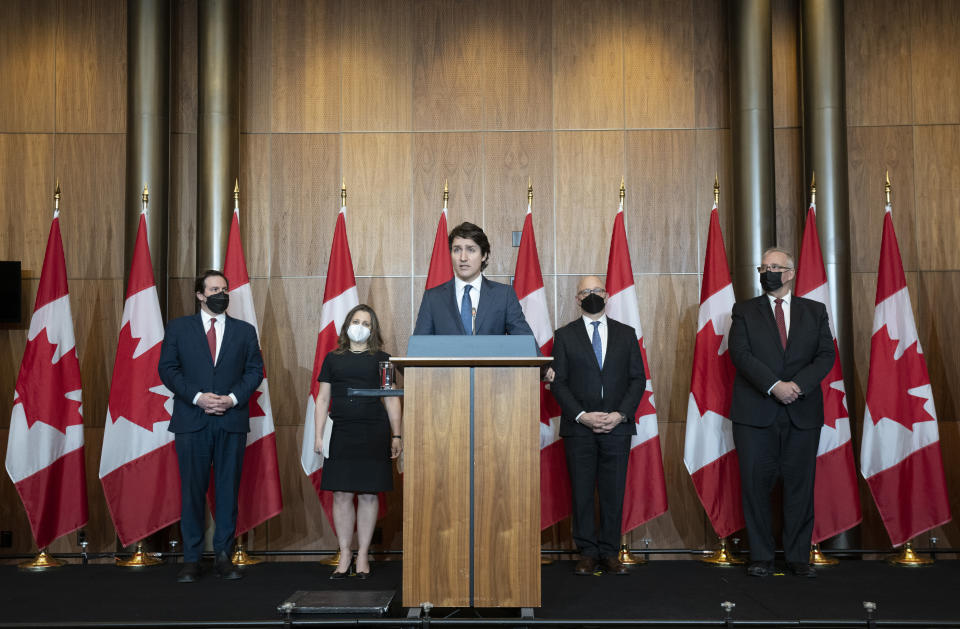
<point>470,303</point>
<point>598,381</point>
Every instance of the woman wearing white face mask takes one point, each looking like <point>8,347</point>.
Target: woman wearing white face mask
<point>366,435</point>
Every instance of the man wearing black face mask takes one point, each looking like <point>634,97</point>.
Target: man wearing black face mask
<point>782,348</point>
<point>598,382</point>
<point>212,364</point>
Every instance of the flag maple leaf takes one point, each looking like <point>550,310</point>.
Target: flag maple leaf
<point>45,376</point>
<point>891,380</point>
<point>833,399</point>
<point>254,404</point>
<point>710,371</point>
<point>131,396</point>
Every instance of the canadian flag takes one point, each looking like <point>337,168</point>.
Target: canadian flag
<point>339,296</point>
<point>528,284</point>
<point>708,450</point>
<point>441,269</point>
<point>646,493</point>
<point>259,496</point>
<point>835,495</point>
<point>900,451</point>
<point>45,443</point>
<point>138,463</point>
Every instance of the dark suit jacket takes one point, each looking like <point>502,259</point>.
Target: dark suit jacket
<point>498,312</point>
<point>579,380</point>
<point>761,360</point>
<point>186,368</point>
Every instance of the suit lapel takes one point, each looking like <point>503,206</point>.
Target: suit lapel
<point>451,300</point>
<point>486,294</point>
<point>228,331</point>
<point>586,343</point>
<point>766,313</point>
<point>797,316</point>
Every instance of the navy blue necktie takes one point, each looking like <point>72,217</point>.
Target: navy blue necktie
<point>466,310</point>
<point>597,347</point>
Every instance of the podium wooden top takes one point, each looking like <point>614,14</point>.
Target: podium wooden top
<point>470,361</point>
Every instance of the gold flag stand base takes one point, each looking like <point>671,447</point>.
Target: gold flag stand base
<point>722,557</point>
<point>909,559</point>
<point>817,558</point>
<point>334,560</point>
<point>625,557</point>
<point>43,561</point>
<point>241,558</point>
<point>139,559</point>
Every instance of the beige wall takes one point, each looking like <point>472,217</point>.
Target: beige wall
<point>396,97</point>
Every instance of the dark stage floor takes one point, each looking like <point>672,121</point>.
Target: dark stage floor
<point>668,591</point>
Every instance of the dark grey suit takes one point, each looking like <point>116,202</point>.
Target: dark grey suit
<point>498,311</point>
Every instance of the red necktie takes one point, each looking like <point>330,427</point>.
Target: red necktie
<point>781,322</point>
<point>212,340</point>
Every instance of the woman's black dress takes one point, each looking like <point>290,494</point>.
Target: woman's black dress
<point>360,443</point>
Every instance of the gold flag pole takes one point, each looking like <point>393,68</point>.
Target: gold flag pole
<point>817,558</point>
<point>907,558</point>
<point>446,193</point>
<point>722,556</point>
<point>886,187</point>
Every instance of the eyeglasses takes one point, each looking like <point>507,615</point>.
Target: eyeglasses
<point>591,291</point>
<point>776,268</point>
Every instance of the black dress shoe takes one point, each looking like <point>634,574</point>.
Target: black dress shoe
<point>339,575</point>
<point>586,566</point>
<point>802,569</point>
<point>225,568</point>
<point>760,568</point>
<point>362,575</point>
<point>189,573</point>
<point>612,565</point>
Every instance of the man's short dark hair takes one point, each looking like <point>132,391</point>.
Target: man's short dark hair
<point>200,285</point>
<point>474,233</point>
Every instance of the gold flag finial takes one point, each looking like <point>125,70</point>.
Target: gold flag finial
<point>886,187</point>
<point>146,194</point>
<point>716,188</point>
<point>446,193</point>
<point>236,189</point>
<point>813,188</point>
<point>623,190</point>
<point>56,197</point>
<point>343,192</point>
<point>529,191</point>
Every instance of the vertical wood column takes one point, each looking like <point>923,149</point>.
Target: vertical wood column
<point>218,139</point>
<point>148,133</point>
<point>751,111</point>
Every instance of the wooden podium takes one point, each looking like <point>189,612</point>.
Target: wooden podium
<point>471,487</point>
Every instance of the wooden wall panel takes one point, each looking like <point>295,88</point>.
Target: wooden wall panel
<point>949,534</point>
<point>377,66</point>
<point>182,209</point>
<point>878,62</point>
<point>518,72</point>
<point>872,151</point>
<point>938,303</point>
<point>792,193</point>
<point>587,64</point>
<point>99,529</point>
<point>390,299</point>
<point>589,166</point>
<point>511,160</point>
<point>184,98</point>
<point>714,156</point>
<point>658,64</point>
<point>91,62</point>
<point>437,157</point>
<point>305,73</point>
<point>305,200</point>
<point>256,43</point>
<point>97,306</point>
<point>27,183</point>
<point>377,168</point>
<point>660,205</point>
<point>935,31</point>
<point>91,167</point>
<point>938,196</point>
<point>447,66</point>
<point>786,73</point>
<point>255,216</point>
<point>27,45</point>
<point>711,64</point>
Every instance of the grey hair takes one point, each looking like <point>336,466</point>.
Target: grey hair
<point>785,252</point>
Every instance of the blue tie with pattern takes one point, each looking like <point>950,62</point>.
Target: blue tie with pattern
<point>597,347</point>
<point>466,310</point>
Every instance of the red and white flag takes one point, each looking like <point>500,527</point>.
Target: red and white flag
<point>45,443</point>
<point>900,452</point>
<point>646,493</point>
<point>441,269</point>
<point>339,296</point>
<point>528,284</point>
<point>138,463</point>
<point>259,496</point>
<point>835,495</point>
<point>708,450</point>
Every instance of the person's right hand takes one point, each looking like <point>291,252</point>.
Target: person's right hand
<point>594,421</point>
<point>786,392</point>
<point>318,444</point>
<point>211,403</point>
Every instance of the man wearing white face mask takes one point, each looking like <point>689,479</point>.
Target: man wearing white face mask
<point>366,436</point>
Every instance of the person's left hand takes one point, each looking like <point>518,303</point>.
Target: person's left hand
<point>396,447</point>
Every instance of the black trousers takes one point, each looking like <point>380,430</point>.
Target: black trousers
<point>597,462</point>
<point>196,452</point>
<point>780,450</point>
